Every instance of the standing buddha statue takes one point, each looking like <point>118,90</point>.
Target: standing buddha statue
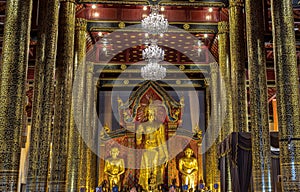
<point>155,154</point>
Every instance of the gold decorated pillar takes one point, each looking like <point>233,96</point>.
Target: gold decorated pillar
<point>88,179</point>
<point>76,117</point>
<point>225,89</point>
<point>96,129</point>
<point>82,165</point>
<point>96,136</point>
<point>13,70</point>
<point>238,61</point>
<point>101,164</point>
<point>63,94</point>
<point>260,136</point>
<point>91,171</point>
<point>93,136</point>
<point>205,139</point>
<point>212,172</point>
<point>43,96</point>
<point>287,95</point>
<point>225,86</point>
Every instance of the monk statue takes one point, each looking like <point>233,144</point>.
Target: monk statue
<point>114,168</point>
<point>188,167</point>
<point>155,153</point>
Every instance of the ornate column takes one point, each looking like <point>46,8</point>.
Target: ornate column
<point>76,117</point>
<point>84,159</point>
<point>225,85</point>
<point>91,171</point>
<point>238,60</point>
<point>13,70</point>
<point>287,95</point>
<point>88,160</point>
<point>205,139</point>
<point>90,109</point>
<point>43,96</point>
<point>211,156</point>
<point>225,89</point>
<point>261,154</point>
<point>82,165</point>
<point>63,94</point>
<point>95,136</point>
<point>101,165</point>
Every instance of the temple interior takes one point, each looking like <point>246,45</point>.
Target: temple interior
<point>149,95</point>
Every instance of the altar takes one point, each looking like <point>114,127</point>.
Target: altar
<point>157,150</point>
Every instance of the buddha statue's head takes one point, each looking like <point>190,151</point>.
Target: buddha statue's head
<point>150,111</point>
<point>188,152</point>
<point>114,152</point>
<point>151,114</point>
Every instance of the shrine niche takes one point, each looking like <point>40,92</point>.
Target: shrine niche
<point>134,110</point>
<point>149,136</point>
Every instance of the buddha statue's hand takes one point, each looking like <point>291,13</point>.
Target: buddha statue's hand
<point>166,162</point>
<point>109,174</point>
<point>139,130</point>
<point>183,173</point>
<point>115,172</point>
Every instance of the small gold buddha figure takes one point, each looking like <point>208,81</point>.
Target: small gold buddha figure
<point>188,167</point>
<point>155,154</point>
<point>114,168</point>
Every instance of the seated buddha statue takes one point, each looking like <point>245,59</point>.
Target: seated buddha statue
<point>155,154</point>
<point>188,167</point>
<point>114,168</point>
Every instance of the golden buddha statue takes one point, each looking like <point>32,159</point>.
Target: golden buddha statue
<point>188,167</point>
<point>155,156</point>
<point>114,168</point>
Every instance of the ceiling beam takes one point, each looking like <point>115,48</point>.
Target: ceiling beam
<point>114,25</point>
<point>205,3</point>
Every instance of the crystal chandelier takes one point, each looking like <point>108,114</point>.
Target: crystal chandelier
<point>155,23</point>
<point>153,71</point>
<point>153,53</point>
